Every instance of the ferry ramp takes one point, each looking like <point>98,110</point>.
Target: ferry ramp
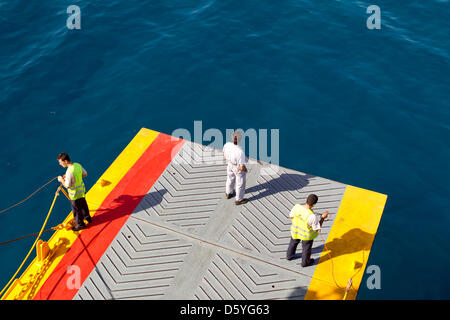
<point>163,229</point>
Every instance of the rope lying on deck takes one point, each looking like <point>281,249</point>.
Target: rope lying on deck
<point>350,280</point>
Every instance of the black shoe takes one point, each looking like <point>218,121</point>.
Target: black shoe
<point>241,202</point>
<point>88,219</point>
<point>78,228</point>
<point>311,262</point>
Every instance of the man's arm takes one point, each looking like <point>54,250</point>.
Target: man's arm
<point>323,217</point>
<point>65,180</point>
<point>225,151</point>
<point>291,214</point>
<point>61,179</point>
<point>83,173</point>
<point>315,223</point>
<point>242,161</point>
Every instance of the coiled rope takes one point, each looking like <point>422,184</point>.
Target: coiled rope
<point>350,280</point>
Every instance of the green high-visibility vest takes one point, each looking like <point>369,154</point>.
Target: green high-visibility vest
<point>299,228</point>
<point>77,191</point>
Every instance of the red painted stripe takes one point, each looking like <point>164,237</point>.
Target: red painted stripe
<point>110,218</point>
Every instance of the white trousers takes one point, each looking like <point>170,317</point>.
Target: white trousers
<point>235,179</point>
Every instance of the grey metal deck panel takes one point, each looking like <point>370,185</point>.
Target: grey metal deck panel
<point>186,241</point>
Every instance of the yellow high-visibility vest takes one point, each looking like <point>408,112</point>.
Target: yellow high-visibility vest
<point>77,191</point>
<point>299,228</point>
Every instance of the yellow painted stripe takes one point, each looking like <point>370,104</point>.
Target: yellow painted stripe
<point>349,243</point>
<point>94,197</point>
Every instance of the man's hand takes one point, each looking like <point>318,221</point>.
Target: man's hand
<point>242,168</point>
<point>323,217</point>
<point>60,179</point>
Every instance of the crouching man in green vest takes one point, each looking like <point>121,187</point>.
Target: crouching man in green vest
<point>305,227</point>
<point>73,181</point>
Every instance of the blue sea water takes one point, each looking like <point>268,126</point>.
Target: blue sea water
<point>369,108</point>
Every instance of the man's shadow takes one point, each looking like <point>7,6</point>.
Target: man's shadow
<point>126,205</point>
<point>104,216</point>
<point>284,182</point>
<point>352,241</point>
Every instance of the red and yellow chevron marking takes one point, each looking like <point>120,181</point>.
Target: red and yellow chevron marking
<point>111,201</point>
<point>348,245</point>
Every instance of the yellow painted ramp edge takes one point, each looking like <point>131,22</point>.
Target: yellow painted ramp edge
<point>348,245</point>
<point>31,280</point>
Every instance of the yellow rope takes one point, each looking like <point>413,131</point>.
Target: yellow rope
<point>33,234</point>
<point>348,288</point>
<point>34,244</point>
<point>350,280</point>
<point>67,196</point>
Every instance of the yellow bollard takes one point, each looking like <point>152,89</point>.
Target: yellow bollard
<point>42,249</point>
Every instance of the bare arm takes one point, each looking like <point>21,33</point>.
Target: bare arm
<point>83,173</point>
<point>323,217</point>
<point>64,181</point>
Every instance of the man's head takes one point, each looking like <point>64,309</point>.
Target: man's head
<point>64,159</point>
<point>236,137</point>
<point>312,200</point>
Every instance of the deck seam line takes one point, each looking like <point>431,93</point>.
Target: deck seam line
<point>232,250</point>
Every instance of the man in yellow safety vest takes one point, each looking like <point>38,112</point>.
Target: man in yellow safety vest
<point>305,227</point>
<point>73,181</point>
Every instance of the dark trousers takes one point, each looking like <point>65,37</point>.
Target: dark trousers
<point>80,211</point>
<point>306,250</point>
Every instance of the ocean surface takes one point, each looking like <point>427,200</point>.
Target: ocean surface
<point>369,108</point>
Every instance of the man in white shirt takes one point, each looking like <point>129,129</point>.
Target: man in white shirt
<point>236,169</point>
<point>305,228</point>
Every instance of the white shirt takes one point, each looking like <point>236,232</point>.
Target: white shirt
<point>234,154</point>
<point>70,179</point>
<point>313,220</point>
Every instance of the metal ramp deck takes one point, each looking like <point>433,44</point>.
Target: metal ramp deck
<point>181,238</point>
<point>186,241</point>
